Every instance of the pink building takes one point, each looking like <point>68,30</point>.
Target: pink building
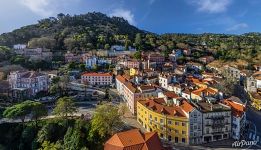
<point>70,57</point>
<point>159,59</point>
<point>96,78</point>
<point>131,63</point>
<point>131,93</point>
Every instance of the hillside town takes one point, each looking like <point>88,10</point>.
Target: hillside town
<point>173,100</point>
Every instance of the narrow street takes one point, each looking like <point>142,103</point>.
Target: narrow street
<point>253,116</point>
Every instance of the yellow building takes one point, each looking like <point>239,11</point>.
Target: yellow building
<point>170,122</point>
<point>133,71</point>
<point>255,100</point>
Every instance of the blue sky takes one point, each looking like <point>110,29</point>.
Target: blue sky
<point>159,16</point>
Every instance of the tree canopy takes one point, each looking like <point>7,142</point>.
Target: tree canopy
<point>64,107</point>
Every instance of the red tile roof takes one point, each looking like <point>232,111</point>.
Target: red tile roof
<point>147,87</point>
<point>97,74</point>
<point>170,94</point>
<point>134,140</point>
<point>163,108</point>
<point>131,87</point>
<point>186,106</point>
<point>237,109</point>
<point>121,78</point>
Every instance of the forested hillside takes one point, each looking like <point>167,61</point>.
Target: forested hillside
<point>72,31</point>
<point>98,31</point>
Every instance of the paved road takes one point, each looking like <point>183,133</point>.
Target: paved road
<point>253,116</point>
<point>82,108</point>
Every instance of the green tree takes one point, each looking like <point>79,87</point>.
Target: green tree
<point>72,139</point>
<point>38,111</point>
<point>46,145</point>
<point>64,107</point>
<point>138,41</point>
<point>107,46</point>
<point>182,45</point>
<point>82,67</point>
<point>137,55</point>
<point>43,42</point>
<point>19,111</point>
<point>5,53</point>
<point>106,120</point>
<point>70,43</point>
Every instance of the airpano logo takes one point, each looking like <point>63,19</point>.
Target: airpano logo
<point>243,143</point>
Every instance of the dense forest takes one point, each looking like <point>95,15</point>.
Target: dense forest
<point>80,33</point>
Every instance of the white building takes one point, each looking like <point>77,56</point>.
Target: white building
<point>93,61</point>
<point>19,46</point>
<point>195,121</point>
<point>31,81</point>
<point>216,121</point>
<point>120,80</point>
<point>238,117</point>
<point>96,78</point>
<point>254,82</point>
<point>165,80</point>
<point>121,48</point>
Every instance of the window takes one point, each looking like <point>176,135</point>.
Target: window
<point>169,122</point>
<point>176,139</point>
<point>177,131</point>
<point>155,118</point>
<point>183,124</point>
<point>176,123</point>
<point>150,116</point>
<point>183,132</point>
<point>226,128</point>
<point>183,140</point>
<point>169,138</point>
<point>207,130</point>
<point>161,120</point>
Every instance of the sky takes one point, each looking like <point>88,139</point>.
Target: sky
<point>158,16</point>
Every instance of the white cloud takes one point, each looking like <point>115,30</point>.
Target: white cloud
<point>237,27</point>
<point>211,6</point>
<point>47,8</point>
<point>39,7</point>
<point>126,14</point>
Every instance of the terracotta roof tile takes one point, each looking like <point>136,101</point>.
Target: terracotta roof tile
<point>134,140</point>
<point>131,87</point>
<point>170,94</point>
<point>237,108</point>
<point>120,78</point>
<point>186,106</point>
<point>159,108</point>
<point>97,74</point>
<point>147,87</point>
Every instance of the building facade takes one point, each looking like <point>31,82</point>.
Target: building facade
<point>96,78</point>
<point>216,119</point>
<point>238,117</point>
<point>170,122</point>
<point>31,81</point>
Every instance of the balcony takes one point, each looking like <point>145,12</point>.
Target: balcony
<point>216,117</point>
